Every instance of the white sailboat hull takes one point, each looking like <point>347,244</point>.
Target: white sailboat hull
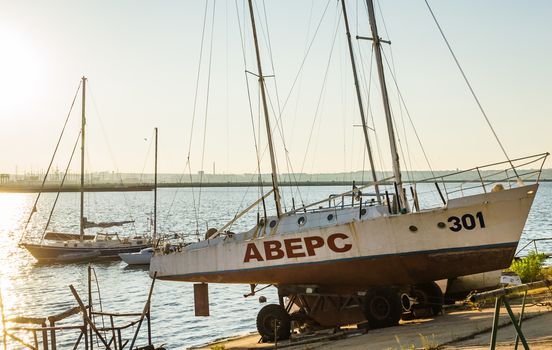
<point>470,235</point>
<point>138,258</point>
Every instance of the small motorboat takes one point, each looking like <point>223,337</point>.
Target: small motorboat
<point>140,258</point>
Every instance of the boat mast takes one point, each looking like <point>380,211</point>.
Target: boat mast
<point>83,126</point>
<point>389,119</point>
<point>360,103</point>
<point>155,192</point>
<point>266,116</point>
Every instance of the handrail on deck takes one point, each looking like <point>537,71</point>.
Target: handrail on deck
<point>535,157</point>
<point>534,242</point>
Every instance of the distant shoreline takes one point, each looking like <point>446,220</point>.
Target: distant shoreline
<point>10,188</point>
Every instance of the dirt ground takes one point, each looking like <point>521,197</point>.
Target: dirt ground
<point>460,329</point>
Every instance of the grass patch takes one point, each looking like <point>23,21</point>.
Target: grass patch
<point>530,269</point>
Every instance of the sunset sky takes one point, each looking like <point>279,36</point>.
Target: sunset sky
<point>141,59</point>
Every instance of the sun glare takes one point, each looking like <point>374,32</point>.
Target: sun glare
<point>19,70</point>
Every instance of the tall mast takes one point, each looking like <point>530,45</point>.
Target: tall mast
<point>83,127</point>
<point>360,103</point>
<point>392,142</point>
<point>155,191</point>
<point>265,110</point>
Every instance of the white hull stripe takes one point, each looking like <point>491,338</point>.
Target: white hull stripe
<point>358,258</point>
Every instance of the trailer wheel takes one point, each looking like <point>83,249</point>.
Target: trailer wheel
<point>382,308</point>
<point>273,317</point>
<point>430,298</point>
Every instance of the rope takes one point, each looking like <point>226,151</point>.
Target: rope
<point>471,89</point>
<point>33,210</point>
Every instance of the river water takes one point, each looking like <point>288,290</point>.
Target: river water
<point>40,290</point>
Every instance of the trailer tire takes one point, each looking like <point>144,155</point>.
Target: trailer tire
<point>430,297</point>
<point>382,308</point>
<point>265,323</point>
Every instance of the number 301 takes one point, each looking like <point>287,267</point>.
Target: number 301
<point>467,221</point>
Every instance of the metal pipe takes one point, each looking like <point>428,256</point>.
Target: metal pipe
<point>520,319</point>
<point>510,290</point>
<point>440,193</point>
<point>515,324</point>
<point>496,317</point>
<point>90,302</point>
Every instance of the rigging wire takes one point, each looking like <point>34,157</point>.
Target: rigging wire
<point>294,84</point>
<point>393,70</point>
<point>322,90</point>
<point>410,118</point>
<point>206,105</point>
<point>111,154</point>
<point>60,187</point>
<point>306,55</point>
<point>188,165</point>
<point>34,209</point>
<point>251,114</point>
<point>279,121</point>
<point>471,89</point>
<point>367,83</point>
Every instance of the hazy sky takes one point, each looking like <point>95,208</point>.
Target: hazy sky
<point>141,59</point>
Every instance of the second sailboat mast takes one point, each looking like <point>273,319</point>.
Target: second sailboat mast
<point>266,116</point>
<point>83,127</point>
<point>360,103</point>
<point>389,119</point>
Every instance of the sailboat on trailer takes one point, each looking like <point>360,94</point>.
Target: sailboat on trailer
<point>372,259</point>
<point>70,247</point>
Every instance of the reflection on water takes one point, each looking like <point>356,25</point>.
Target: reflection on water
<point>34,290</point>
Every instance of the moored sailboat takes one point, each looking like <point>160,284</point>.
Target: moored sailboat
<point>70,247</point>
<point>369,259</point>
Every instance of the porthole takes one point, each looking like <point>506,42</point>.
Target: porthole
<point>301,221</point>
<point>363,211</point>
<point>413,228</point>
<point>272,223</point>
<point>441,225</point>
<point>330,217</point>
